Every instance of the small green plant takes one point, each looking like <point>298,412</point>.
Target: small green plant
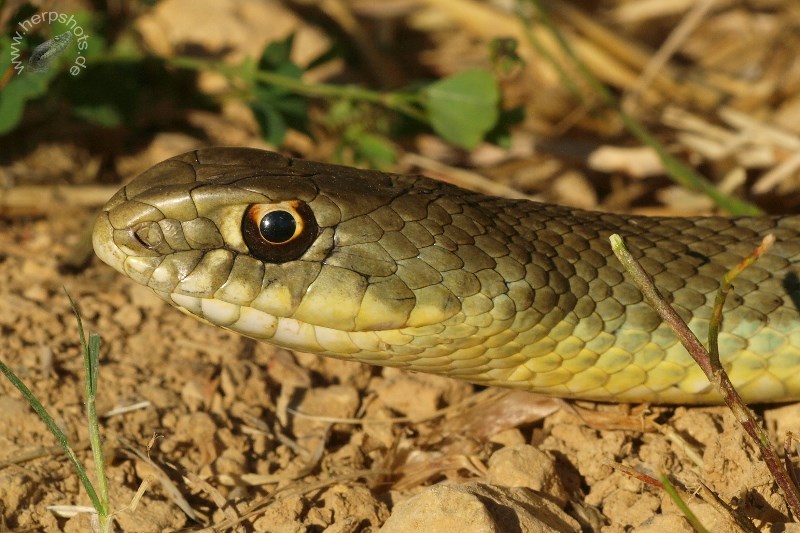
<point>34,58</point>
<point>463,108</point>
<point>91,351</point>
<point>119,84</point>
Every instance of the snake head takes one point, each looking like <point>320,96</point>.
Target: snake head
<point>316,257</point>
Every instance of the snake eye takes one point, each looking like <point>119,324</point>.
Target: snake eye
<point>278,227</point>
<point>279,232</point>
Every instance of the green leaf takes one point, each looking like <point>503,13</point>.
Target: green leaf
<point>374,150</point>
<point>277,54</point>
<point>277,109</point>
<point>19,90</point>
<point>504,55</point>
<point>336,51</point>
<point>273,126</point>
<point>464,107</point>
<point>501,133</point>
<point>106,115</point>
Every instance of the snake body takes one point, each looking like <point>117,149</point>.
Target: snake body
<point>409,272</point>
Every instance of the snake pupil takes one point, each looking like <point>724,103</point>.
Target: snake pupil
<point>278,226</point>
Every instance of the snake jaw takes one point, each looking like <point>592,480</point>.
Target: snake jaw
<point>286,332</point>
<point>103,243</point>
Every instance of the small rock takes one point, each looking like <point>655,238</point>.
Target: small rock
<point>231,462</point>
<point>16,490</point>
<point>658,523</point>
<point>418,394</point>
<point>36,269</point>
<point>508,437</point>
<point>14,413</point>
<point>526,466</point>
<point>36,293</point>
<point>128,317</point>
<point>478,508</point>
<point>199,429</point>
<point>338,401</point>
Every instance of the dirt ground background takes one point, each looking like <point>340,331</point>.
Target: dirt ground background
<point>230,434</point>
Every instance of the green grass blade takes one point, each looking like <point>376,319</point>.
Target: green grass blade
<point>91,358</point>
<point>55,430</point>
<point>678,501</point>
<point>92,351</point>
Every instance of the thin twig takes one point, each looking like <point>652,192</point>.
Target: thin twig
<point>722,294</point>
<point>396,101</point>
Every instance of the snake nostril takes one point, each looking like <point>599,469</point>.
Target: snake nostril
<point>149,235</point>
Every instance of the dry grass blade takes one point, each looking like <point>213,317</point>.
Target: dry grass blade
<point>173,492</point>
<point>677,37</point>
<point>415,474</point>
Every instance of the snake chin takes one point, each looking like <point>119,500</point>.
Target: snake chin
<point>282,331</point>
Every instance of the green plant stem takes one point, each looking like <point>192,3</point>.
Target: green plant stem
<point>94,427</point>
<point>657,301</point>
<point>722,294</point>
<point>400,102</point>
<point>91,351</point>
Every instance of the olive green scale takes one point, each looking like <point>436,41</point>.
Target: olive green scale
<point>410,272</point>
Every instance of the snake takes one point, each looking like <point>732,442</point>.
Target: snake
<point>409,272</point>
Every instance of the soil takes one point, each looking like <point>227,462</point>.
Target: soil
<point>223,430</point>
<point>203,429</point>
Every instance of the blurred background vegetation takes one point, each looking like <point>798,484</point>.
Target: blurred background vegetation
<point>538,96</point>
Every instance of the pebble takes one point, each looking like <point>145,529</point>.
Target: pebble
<point>478,508</point>
<point>526,466</point>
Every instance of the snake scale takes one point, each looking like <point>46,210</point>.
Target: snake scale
<point>409,272</point>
